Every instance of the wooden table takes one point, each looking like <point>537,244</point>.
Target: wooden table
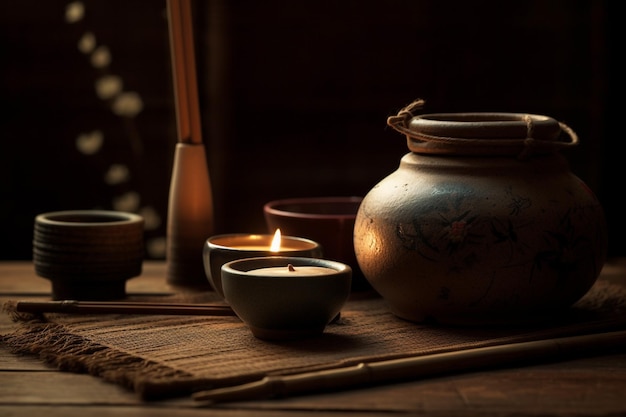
<point>594,386</point>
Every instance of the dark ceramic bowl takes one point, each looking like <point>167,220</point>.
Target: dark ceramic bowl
<point>88,254</point>
<point>285,306</point>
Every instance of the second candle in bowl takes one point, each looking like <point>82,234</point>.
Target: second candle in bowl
<point>281,297</point>
<point>221,249</point>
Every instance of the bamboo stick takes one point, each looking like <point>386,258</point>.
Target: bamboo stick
<point>417,367</point>
<point>112,307</point>
<point>184,71</point>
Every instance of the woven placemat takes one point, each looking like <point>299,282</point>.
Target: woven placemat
<point>165,356</point>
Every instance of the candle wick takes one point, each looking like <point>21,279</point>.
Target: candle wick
<point>291,268</point>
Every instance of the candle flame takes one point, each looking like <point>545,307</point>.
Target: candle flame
<point>275,247</point>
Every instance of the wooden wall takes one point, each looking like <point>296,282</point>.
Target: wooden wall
<point>295,96</point>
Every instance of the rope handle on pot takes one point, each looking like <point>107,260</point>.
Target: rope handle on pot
<point>401,121</point>
<point>404,116</point>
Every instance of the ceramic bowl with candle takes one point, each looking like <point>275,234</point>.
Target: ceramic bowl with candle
<point>285,297</point>
<point>220,249</point>
<point>326,220</point>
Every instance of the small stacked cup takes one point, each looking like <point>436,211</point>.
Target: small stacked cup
<point>88,254</point>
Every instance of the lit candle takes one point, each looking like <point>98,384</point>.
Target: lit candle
<point>275,246</point>
<point>264,243</point>
<point>221,249</point>
<point>290,270</point>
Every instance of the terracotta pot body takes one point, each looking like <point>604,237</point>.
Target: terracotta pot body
<point>468,233</point>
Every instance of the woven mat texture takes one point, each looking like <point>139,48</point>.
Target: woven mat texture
<point>164,356</point>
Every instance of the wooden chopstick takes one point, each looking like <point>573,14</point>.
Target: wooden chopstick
<point>418,367</point>
<point>112,307</point>
<point>184,71</point>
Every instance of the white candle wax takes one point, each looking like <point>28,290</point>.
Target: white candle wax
<point>290,270</point>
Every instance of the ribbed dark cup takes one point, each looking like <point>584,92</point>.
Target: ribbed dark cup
<point>88,254</point>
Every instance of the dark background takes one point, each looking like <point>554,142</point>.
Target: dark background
<point>294,96</point>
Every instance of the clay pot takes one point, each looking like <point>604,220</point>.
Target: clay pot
<point>483,222</point>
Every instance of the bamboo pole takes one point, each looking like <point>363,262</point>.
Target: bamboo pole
<point>184,71</point>
<point>417,367</point>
